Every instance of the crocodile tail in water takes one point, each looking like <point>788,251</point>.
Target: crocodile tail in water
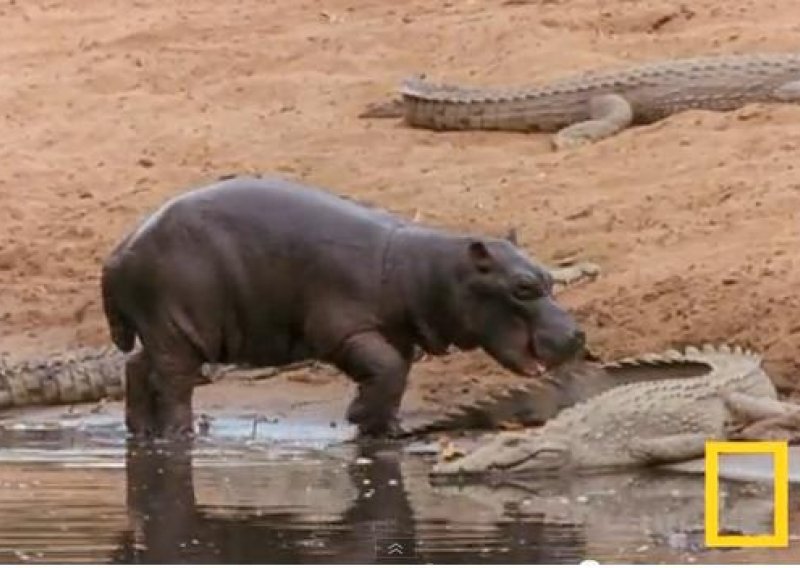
<point>86,375</point>
<point>542,399</point>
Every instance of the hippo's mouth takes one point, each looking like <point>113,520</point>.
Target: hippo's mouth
<point>524,359</point>
<point>514,347</point>
<point>533,365</point>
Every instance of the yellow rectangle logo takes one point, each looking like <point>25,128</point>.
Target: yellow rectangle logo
<point>780,455</point>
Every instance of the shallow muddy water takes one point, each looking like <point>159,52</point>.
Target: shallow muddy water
<point>83,495</point>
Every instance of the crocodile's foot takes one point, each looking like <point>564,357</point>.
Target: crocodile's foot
<point>568,274</point>
<point>764,419</point>
<point>609,114</point>
<point>562,143</point>
<point>786,427</point>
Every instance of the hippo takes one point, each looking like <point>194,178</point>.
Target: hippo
<point>258,271</point>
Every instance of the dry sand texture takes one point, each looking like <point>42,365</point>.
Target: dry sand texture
<point>109,108</point>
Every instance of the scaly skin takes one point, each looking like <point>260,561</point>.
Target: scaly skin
<point>641,423</point>
<point>81,375</point>
<point>592,106</point>
<point>539,400</point>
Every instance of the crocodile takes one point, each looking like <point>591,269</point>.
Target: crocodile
<point>534,402</point>
<point>82,375</point>
<point>638,424</point>
<point>594,105</point>
<point>92,374</point>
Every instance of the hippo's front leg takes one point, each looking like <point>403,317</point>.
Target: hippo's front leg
<point>381,372</point>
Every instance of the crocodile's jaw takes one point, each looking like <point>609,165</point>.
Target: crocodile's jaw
<point>508,451</point>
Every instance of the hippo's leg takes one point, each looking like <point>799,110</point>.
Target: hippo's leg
<point>177,376</point>
<point>381,372</point>
<point>140,397</point>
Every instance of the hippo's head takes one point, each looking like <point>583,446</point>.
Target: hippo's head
<point>505,305</point>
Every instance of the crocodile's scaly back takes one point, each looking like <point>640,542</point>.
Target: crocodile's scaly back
<point>543,398</point>
<point>638,423</point>
<point>87,374</point>
<point>594,105</point>
<point>733,368</point>
<point>83,375</point>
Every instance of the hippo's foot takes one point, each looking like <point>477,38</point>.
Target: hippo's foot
<point>386,431</point>
<point>373,423</point>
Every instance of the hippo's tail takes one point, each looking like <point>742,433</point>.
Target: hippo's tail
<point>123,334</point>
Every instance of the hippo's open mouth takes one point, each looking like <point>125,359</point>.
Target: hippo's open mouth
<point>533,364</point>
<point>515,348</point>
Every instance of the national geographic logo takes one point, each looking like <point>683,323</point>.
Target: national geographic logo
<point>780,455</point>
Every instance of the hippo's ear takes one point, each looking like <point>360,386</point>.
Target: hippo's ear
<point>480,256</point>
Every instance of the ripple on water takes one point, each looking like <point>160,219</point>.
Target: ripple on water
<point>298,495</point>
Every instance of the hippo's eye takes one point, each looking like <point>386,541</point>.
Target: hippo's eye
<point>527,289</point>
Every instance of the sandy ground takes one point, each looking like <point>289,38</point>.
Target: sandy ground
<point>109,108</point>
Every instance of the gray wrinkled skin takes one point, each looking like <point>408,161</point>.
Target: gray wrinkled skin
<point>266,272</point>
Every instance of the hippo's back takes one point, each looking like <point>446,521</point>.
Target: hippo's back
<point>279,206</point>
<point>249,260</point>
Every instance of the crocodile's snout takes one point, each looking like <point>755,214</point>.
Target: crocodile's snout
<point>509,451</point>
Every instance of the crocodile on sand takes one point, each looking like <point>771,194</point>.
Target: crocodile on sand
<point>88,374</point>
<point>591,106</point>
<point>639,424</point>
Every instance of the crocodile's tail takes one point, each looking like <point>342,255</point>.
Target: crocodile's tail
<point>123,334</point>
<point>708,359</point>
<point>528,404</point>
<point>451,107</point>
<point>85,375</point>
<point>540,400</point>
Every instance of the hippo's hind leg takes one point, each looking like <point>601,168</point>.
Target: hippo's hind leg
<point>178,373</point>
<point>381,372</point>
<point>140,397</point>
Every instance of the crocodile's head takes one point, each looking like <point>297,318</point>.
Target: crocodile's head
<point>512,452</point>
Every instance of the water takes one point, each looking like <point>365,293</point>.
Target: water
<point>83,495</point>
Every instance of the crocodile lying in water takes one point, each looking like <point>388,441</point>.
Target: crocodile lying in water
<point>645,423</point>
<point>93,374</point>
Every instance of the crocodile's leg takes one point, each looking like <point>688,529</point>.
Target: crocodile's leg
<point>564,276</point>
<point>665,449</point>
<point>760,418</point>
<point>749,408</point>
<point>788,92</point>
<point>609,114</point>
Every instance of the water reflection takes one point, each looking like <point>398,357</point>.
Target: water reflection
<point>222,503</point>
<point>378,525</point>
